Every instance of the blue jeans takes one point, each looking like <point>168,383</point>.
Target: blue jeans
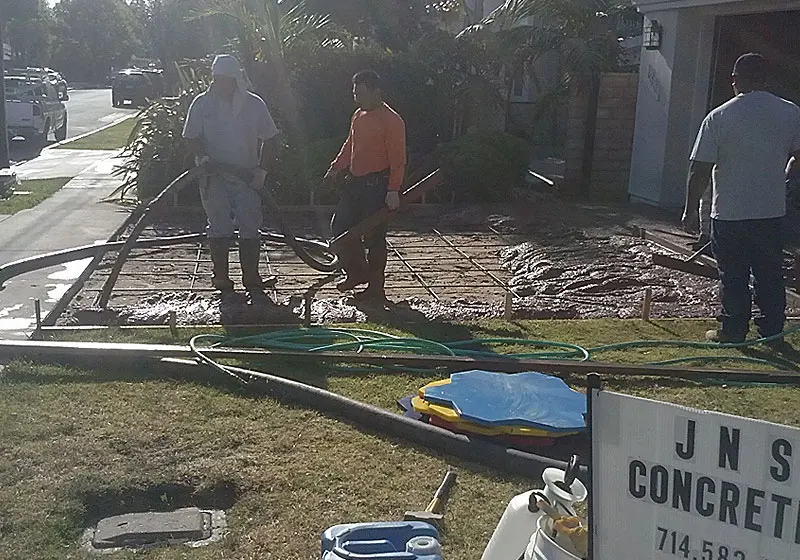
<point>742,247</point>
<point>229,204</point>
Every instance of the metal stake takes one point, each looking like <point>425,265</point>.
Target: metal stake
<point>37,306</point>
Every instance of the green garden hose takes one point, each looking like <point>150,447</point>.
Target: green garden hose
<point>360,340</point>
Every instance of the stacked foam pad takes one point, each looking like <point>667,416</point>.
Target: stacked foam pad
<point>523,410</point>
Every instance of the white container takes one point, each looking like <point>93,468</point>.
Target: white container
<point>424,546</point>
<point>543,547</point>
<point>515,529</point>
<point>557,494</point>
<point>519,522</point>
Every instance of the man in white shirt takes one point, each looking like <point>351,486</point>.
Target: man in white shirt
<point>228,128</point>
<point>744,146</point>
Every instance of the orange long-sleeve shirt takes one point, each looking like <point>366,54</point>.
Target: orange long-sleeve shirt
<point>377,141</point>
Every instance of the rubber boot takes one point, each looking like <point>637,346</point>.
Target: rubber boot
<point>351,259</point>
<point>219,247</point>
<point>376,290</point>
<point>249,257</point>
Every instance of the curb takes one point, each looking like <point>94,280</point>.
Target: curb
<point>85,134</point>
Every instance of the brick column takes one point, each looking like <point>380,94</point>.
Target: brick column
<point>575,140</point>
<point>616,115</point>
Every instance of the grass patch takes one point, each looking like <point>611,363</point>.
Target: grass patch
<point>70,437</point>
<point>78,444</point>
<point>38,189</point>
<point>111,138</point>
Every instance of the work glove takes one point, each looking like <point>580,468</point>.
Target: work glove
<point>393,200</point>
<point>259,176</point>
<point>202,181</point>
<point>691,220</point>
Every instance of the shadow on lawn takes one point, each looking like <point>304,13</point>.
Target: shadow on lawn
<point>99,500</point>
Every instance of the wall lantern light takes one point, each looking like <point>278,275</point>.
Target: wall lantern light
<point>652,36</point>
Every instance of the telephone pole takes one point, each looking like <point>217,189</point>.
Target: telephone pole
<point>4,160</point>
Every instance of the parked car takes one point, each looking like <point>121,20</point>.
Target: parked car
<point>46,75</point>
<point>132,85</point>
<point>157,77</point>
<point>33,110</point>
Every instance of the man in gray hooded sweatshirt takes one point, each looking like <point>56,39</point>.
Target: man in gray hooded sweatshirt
<point>231,132</point>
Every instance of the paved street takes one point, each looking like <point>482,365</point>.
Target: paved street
<point>90,109</point>
<point>87,110</point>
<point>73,216</point>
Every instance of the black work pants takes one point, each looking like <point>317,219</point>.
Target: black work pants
<point>742,247</point>
<point>360,197</point>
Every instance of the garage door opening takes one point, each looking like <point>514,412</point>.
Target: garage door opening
<point>775,35</point>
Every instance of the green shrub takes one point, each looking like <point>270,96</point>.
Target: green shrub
<point>484,167</point>
<point>299,170</point>
<point>156,152</point>
<point>324,89</point>
<point>324,92</point>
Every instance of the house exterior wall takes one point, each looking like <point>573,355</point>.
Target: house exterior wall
<point>673,91</point>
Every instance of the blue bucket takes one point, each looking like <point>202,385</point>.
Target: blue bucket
<point>407,540</point>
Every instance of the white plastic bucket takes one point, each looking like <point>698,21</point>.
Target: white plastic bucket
<point>544,547</point>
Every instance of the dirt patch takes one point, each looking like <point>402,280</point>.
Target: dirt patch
<point>556,259</point>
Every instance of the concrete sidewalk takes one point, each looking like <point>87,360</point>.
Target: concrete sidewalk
<point>71,217</point>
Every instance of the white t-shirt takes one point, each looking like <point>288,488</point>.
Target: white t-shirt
<point>230,136</point>
<point>749,140</point>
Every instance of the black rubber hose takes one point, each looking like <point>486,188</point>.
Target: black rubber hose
<point>300,249</point>
<point>374,418</point>
<point>55,258</point>
<point>186,178</point>
<point>46,260</point>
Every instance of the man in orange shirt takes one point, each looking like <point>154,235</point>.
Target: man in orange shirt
<point>372,163</point>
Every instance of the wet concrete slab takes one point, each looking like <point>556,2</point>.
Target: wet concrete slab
<point>557,259</point>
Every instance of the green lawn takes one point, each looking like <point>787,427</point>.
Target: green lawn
<point>30,193</point>
<point>111,138</point>
<point>75,444</point>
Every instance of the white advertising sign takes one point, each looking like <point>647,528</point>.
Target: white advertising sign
<point>674,483</point>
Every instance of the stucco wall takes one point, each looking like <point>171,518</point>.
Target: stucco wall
<point>673,93</point>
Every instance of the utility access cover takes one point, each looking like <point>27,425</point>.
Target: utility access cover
<point>137,530</point>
